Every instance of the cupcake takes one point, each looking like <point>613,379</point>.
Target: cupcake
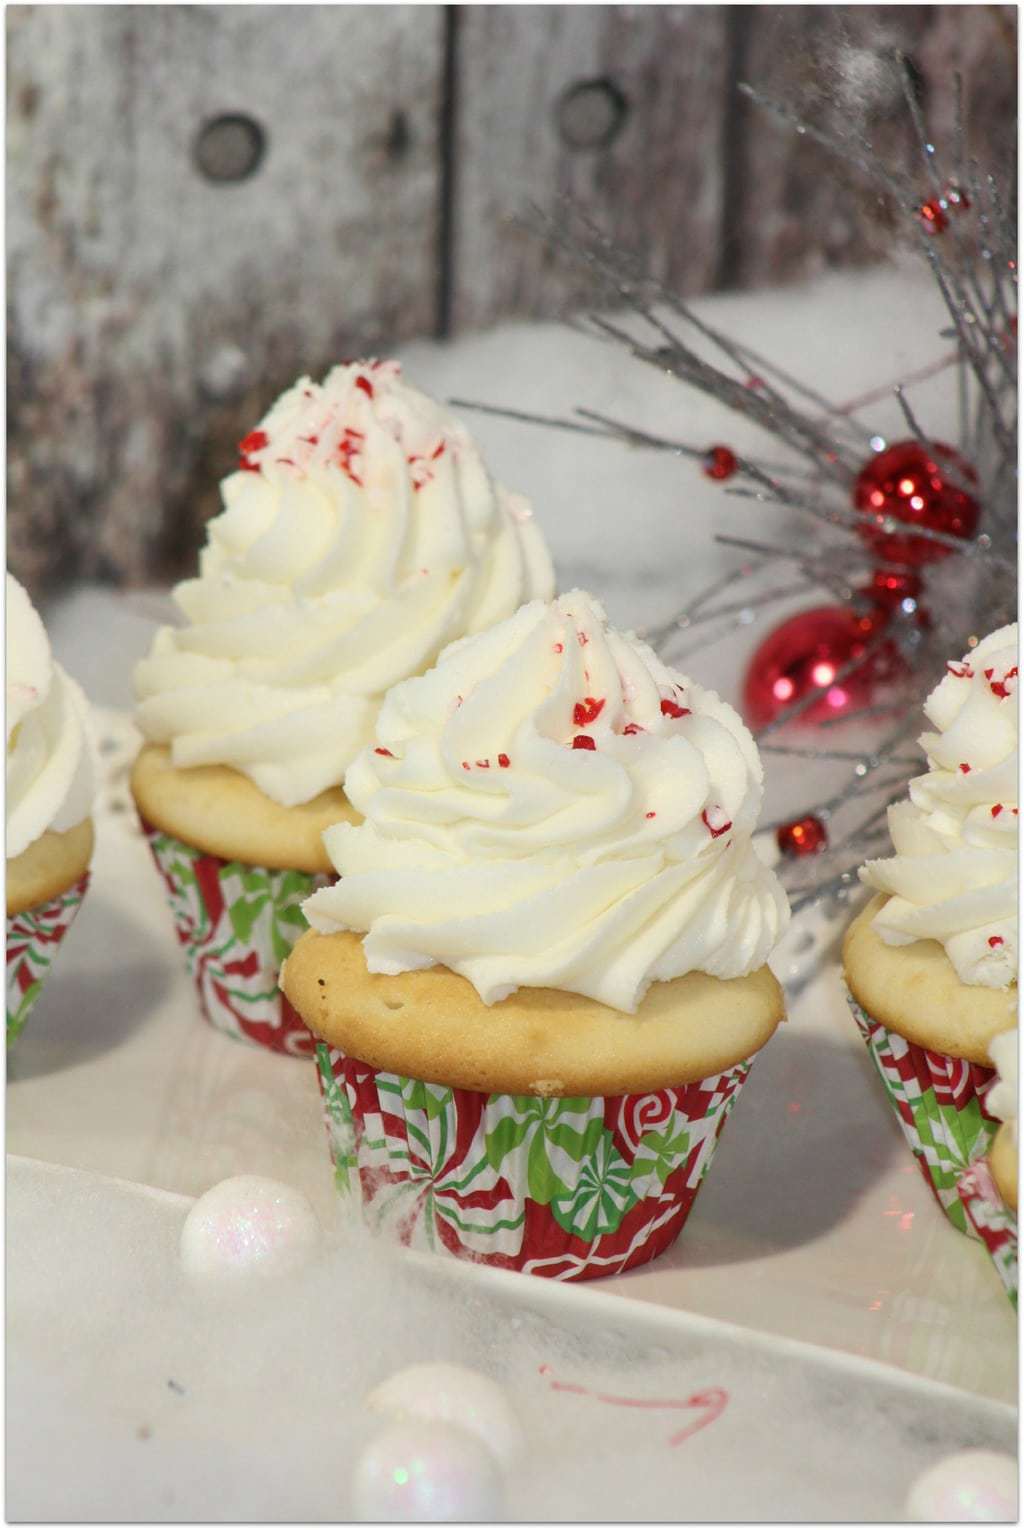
<point>931,963</point>
<point>361,533</point>
<point>988,1189</point>
<point>538,984</point>
<point>50,785</point>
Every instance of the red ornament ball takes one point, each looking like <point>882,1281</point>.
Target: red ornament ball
<point>933,216</point>
<point>804,836</point>
<point>889,587</point>
<point>719,463</point>
<point>806,652</point>
<point>923,488</point>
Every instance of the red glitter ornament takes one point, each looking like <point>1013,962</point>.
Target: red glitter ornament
<point>719,463</point>
<point>806,652</point>
<point>933,216</point>
<point>804,836</point>
<point>923,488</point>
<point>889,587</point>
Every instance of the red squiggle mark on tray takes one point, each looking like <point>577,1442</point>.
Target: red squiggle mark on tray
<point>713,1400</point>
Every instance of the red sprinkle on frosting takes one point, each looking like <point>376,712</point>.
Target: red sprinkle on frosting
<point>995,940</point>
<point>650,815</point>
<point>385,752</point>
<point>962,672</point>
<point>559,648</point>
<point>484,764</point>
<point>587,711</point>
<point>673,709</point>
<point>255,441</point>
<point>964,769</point>
<point>997,809</point>
<point>583,639</point>
<point>634,728</point>
<point>504,761</point>
<point>365,386</point>
<point>583,741</point>
<point>712,830</point>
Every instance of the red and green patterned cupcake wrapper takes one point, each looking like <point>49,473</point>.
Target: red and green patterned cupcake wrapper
<point>939,1103</point>
<point>992,1221</point>
<point>33,939</point>
<point>571,1189</point>
<point>237,923</point>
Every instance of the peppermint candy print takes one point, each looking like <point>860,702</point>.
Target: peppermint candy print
<point>569,1188</point>
<point>992,1221</point>
<point>32,941</point>
<point>939,1102</point>
<point>237,924</point>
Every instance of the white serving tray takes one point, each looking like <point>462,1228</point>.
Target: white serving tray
<point>132,1397</point>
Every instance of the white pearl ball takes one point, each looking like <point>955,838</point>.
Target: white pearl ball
<point>970,1487</point>
<point>421,1472</point>
<point>453,1394</point>
<point>248,1226</point>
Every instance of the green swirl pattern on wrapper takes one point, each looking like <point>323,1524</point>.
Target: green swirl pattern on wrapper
<point>993,1222</point>
<point>236,924</point>
<point>33,939</point>
<point>938,1103</point>
<point>571,1188</point>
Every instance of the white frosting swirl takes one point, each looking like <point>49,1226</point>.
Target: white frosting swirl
<point>954,875</point>
<point>361,534</point>
<point>50,770</point>
<point>1002,1098</point>
<point>552,807</point>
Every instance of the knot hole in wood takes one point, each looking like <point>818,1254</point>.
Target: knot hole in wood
<point>591,114</point>
<point>230,147</point>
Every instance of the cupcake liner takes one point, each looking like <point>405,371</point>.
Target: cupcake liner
<point>939,1103</point>
<point>568,1188</point>
<point>32,941</point>
<point>237,924</point>
<point>992,1222</point>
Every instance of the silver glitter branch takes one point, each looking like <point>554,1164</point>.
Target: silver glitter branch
<point>957,217</point>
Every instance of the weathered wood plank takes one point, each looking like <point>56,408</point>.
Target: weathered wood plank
<point>153,312</point>
<point>620,106</point>
<point>793,208</point>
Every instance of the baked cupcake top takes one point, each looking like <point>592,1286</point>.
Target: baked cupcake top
<point>551,806</point>
<point>360,535</point>
<point>953,877</point>
<point>50,773</point>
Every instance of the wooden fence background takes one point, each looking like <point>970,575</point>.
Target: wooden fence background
<point>204,201</point>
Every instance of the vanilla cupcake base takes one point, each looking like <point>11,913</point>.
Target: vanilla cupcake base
<point>45,888</point>
<point>928,1036</point>
<point>547,1133</point>
<point>236,868</point>
<point>51,865</point>
<point>433,1025</point>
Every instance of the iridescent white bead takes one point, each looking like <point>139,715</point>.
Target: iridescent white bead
<point>422,1472</point>
<point>248,1226</point>
<point>453,1394</point>
<point>971,1487</point>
